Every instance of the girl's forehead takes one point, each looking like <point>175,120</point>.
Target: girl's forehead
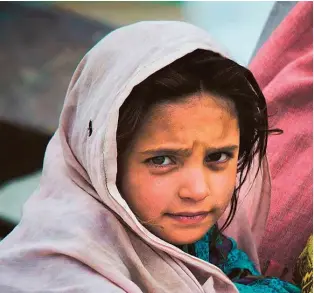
<point>192,109</point>
<point>212,103</point>
<point>194,119</point>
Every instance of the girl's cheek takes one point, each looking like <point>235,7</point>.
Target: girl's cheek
<point>222,186</point>
<point>161,188</point>
<point>153,194</point>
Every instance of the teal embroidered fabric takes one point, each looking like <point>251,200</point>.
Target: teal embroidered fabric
<point>223,252</point>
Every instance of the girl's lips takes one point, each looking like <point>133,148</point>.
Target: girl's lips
<point>189,218</point>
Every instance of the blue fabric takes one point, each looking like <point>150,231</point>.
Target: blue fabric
<point>223,252</point>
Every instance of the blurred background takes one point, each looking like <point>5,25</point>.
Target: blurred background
<point>41,45</point>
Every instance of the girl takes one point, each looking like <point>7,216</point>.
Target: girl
<point>157,136</point>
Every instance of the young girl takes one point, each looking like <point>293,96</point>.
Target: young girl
<point>156,138</point>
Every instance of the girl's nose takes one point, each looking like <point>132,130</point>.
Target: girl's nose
<point>194,186</point>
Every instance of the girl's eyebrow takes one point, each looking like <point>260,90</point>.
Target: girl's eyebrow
<point>187,152</point>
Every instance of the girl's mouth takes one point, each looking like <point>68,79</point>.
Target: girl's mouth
<point>189,218</point>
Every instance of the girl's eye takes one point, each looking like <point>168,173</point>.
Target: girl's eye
<point>218,158</point>
<point>161,161</point>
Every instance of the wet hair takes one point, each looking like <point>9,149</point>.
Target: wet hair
<point>198,72</point>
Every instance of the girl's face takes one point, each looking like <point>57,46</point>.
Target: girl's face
<point>179,174</point>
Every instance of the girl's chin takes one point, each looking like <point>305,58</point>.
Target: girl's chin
<point>181,238</point>
<point>181,234</point>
